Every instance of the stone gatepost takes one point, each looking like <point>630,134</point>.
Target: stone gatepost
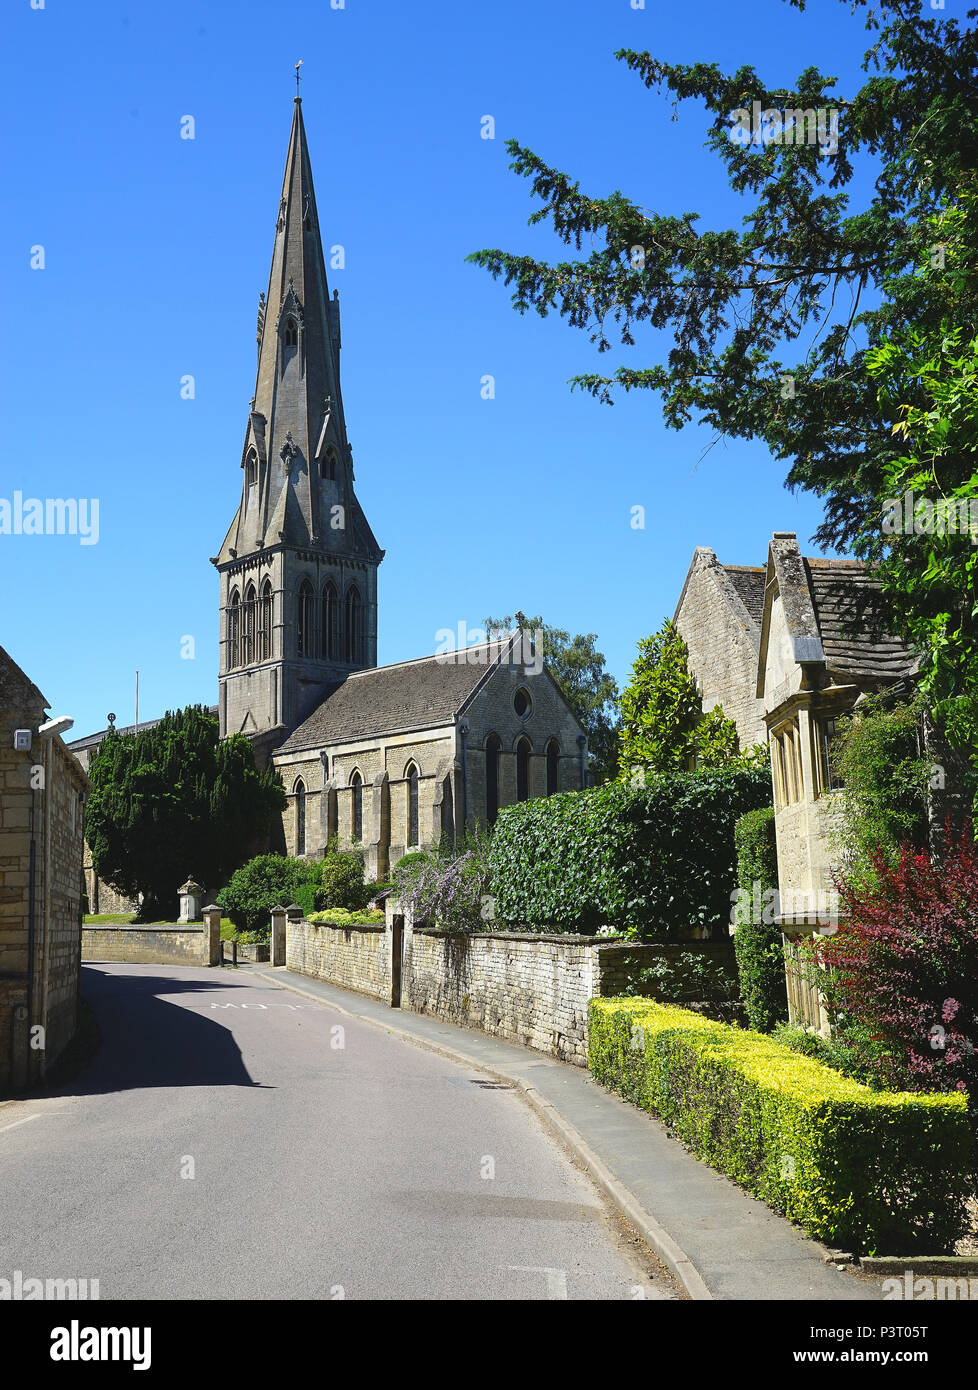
<point>190,897</point>
<point>277,952</point>
<point>212,927</point>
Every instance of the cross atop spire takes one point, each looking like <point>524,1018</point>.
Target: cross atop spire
<point>297,67</point>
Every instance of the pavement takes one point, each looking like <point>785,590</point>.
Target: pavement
<point>719,1242</point>
<point>232,1139</point>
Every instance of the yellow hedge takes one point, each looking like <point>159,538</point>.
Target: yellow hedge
<point>876,1171</point>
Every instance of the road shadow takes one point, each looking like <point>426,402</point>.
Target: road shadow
<point>145,1040</point>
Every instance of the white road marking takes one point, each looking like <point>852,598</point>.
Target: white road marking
<point>556,1279</point>
<point>25,1121</point>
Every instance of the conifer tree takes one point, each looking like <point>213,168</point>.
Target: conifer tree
<point>175,800</point>
<point>663,726</point>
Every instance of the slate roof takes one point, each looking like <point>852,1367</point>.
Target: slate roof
<point>851,616</point>
<point>78,745</point>
<point>393,699</point>
<point>748,580</point>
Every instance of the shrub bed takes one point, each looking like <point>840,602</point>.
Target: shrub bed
<point>659,857</point>
<point>874,1171</point>
<point>267,881</point>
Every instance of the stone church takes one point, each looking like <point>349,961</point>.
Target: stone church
<point>387,757</point>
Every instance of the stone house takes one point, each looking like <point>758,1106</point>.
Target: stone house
<point>823,645</point>
<point>42,793</point>
<point>787,650</point>
<point>719,618</point>
<point>396,756</point>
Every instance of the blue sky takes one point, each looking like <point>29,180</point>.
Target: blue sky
<point>156,248</point>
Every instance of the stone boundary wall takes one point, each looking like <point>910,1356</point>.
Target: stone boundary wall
<point>529,988</point>
<point>617,965</point>
<point>357,958</point>
<point>153,945</point>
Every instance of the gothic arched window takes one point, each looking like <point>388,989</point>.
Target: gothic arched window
<point>300,817</point>
<point>329,621</point>
<point>250,607</point>
<point>234,630</point>
<point>493,747</point>
<point>265,622</point>
<point>304,628</point>
<point>354,626</point>
<point>291,333</point>
<point>251,468</point>
<point>327,465</point>
<point>523,769</point>
<point>553,766</point>
<point>356,782</point>
<point>413,819</point>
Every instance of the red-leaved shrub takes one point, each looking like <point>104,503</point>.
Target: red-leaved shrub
<point>904,968</point>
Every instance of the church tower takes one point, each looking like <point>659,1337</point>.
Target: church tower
<point>298,566</point>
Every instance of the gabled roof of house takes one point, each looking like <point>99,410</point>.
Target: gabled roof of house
<point>852,619</point>
<point>748,580</point>
<point>742,587</point>
<point>836,615</point>
<point>16,686</point>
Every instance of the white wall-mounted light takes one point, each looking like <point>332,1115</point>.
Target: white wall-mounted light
<point>61,725</point>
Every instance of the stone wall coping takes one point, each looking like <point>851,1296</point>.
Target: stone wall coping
<point>558,938</point>
<point>145,927</point>
<point>568,939</point>
<point>342,926</point>
<point>693,944</point>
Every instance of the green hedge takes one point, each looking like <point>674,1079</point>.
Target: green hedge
<point>656,860</point>
<point>267,881</point>
<point>305,897</point>
<point>757,943</point>
<point>341,881</point>
<point>875,1171</point>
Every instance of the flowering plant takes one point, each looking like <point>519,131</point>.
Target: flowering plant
<point>903,967</point>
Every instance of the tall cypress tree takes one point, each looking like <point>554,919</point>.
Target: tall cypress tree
<point>175,800</point>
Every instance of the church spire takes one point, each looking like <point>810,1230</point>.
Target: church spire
<point>299,564</point>
<point>296,433</point>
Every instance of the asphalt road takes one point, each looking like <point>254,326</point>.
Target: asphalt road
<point>234,1140</point>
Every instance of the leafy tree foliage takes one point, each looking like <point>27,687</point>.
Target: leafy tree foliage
<point>591,691</point>
<point>883,800</point>
<point>771,321</point>
<point>927,380</point>
<point>341,877</point>
<point>903,968</point>
<point>175,800</point>
<point>664,728</point>
<point>266,881</point>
